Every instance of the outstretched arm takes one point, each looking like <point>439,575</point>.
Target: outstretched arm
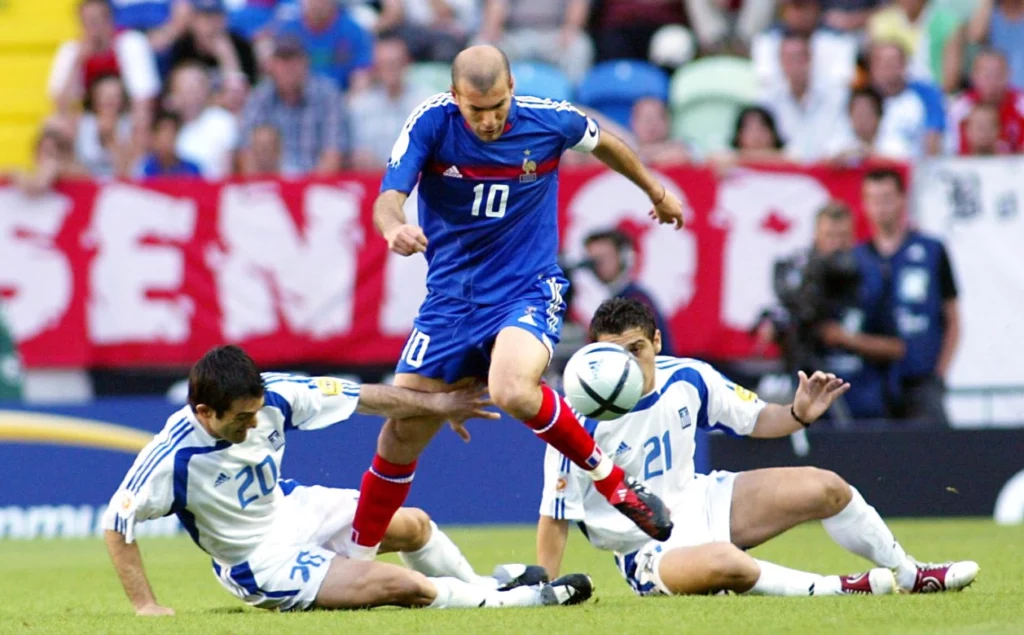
<point>128,563</point>
<point>813,397</point>
<point>614,153</point>
<point>402,403</point>
<point>552,536</point>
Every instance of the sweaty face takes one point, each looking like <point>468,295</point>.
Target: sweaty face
<point>486,113</point>
<point>644,349</point>
<point>234,425</point>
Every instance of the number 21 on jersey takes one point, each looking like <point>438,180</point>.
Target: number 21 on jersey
<point>497,199</point>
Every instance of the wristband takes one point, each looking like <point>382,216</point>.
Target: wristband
<point>792,413</point>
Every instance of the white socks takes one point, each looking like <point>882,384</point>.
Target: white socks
<point>603,469</point>
<point>456,594</point>
<point>860,530</point>
<point>781,581</point>
<point>440,558</point>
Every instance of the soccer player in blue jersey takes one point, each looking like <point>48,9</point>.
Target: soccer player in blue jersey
<point>486,162</point>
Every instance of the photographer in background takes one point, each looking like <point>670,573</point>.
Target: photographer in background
<point>610,255</point>
<point>916,270</point>
<point>833,318</point>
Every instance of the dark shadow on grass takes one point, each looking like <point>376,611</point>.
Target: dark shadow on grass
<point>227,610</point>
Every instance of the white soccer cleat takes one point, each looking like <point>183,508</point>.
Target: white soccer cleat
<point>946,576</point>
<point>879,581</point>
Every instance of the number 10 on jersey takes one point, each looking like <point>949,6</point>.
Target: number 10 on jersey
<point>497,199</point>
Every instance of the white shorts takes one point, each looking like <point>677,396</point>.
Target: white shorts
<point>286,570</point>
<point>703,516</point>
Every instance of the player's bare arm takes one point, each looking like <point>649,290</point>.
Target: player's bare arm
<point>127,562</point>
<point>389,218</point>
<point>552,536</point>
<point>402,403</point>
<point>814,396</point>
<point>614,153</point>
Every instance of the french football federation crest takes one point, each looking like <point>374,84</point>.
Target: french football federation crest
<point>529,174</point>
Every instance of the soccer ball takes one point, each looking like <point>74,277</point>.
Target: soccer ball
<point>603,381</point>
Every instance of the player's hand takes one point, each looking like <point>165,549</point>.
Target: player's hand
<point>463,404</point>
<point>153,610</point>
<point>668,210</point>
<point>406,240</point>
<point>816,394</point>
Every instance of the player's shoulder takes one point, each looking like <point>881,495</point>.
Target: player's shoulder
<point>278,387</point>
<point>543,111</point>
<point>434,108</point>
<point>672,372</point>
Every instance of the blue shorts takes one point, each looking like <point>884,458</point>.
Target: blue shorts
<point>452,338</point>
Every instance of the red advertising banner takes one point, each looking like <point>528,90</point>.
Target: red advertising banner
<point>124,274</point>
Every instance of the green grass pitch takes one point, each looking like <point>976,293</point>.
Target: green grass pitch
<point>69,587</point>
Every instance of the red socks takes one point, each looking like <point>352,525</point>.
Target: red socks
<point>384,489</point>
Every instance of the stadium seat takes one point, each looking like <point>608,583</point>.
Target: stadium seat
<point>613,87</point>
<point>435,77</point>
<point>541,80</point>
<point>706,95</point>
<point>16,144</point>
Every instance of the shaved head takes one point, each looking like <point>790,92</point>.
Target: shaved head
<point>481,67</point>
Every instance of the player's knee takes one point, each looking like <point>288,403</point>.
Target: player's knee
<point>730,568</point>
<point>421,530</point>
<point>514,397</point>
<point>834,493</point>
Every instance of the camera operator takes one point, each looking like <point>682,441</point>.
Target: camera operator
<point>611,255</point>
<point>831,318</point>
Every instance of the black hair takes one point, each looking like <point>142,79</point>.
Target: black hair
<point>766,118</point>
<point>870,94</point>
<point>223,375</point>
<point>89,105</point>
<point>879,175</point>
<point>618,315</point>
<point>835,211</point>
<point>617,238</point>
<point>166,115</point>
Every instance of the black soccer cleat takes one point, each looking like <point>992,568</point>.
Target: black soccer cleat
<point>511,576</point>
<point>573,588</point>
<point>637,503</point>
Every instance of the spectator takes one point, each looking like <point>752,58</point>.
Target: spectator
<point>1000,24</point>
<point>981,132</point>
<point>848,16</point>
<point>163,21</point>
<point>922,29</point>
<point>54,160</point>
<point>833,54</point>
<point>163,159</point>
<point>905,112</point>
<point>545,30</point>
<point>623,28</point>
<point>728,27</point>
<point>103,142</point>
<point>209,133</point>
<point>209,42</point>
<point>649,120</point>
<point>860,139</point>
<point>989,86</point>
<point>306,109</point>
<point>755,139</point>
<point>336,45</point>
<point>433,29</point>
<point>611,255</point>
<point>807,112</point>
<point>916,270</point>
<point>103,51</point>
<point>264,152</point>
<point>382,110</point>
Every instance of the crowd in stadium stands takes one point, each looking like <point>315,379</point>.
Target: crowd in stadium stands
<point>290,87</point>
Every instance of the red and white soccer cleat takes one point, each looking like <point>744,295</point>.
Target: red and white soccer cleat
<point>947,576</point>
<point>875,582</point>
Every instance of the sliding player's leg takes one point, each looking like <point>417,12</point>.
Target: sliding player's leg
<point>721,566</point>
<point>518,360</point>
<point>423,547</point>
<point>768,502</point>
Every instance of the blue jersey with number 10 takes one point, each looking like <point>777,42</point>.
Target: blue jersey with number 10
<point>489,209</point>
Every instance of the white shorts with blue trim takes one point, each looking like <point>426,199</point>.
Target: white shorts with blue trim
<point>286,570</point>
<point>703,515</point>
